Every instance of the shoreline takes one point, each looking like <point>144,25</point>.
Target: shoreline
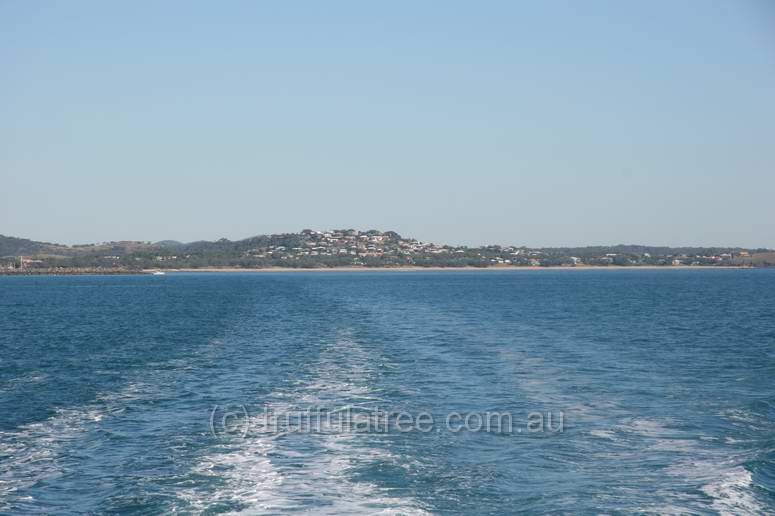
<point>270,270</point>
<point>449,269</point>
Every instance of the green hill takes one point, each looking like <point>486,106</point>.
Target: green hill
<point>12,246</point>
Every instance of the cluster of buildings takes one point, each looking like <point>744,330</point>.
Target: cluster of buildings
<point>345,243</point>
<point>356,247</point>
<point>19,263</point>
<point>350,247</point>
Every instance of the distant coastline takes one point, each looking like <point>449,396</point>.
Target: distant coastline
<point>129,272</point>
<point>72,272</point>
<point>350,250</point>
<point>451,269</point>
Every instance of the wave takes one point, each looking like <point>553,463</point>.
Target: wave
<point>732,493</point>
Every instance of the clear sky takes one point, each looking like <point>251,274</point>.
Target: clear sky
<point>541,123</point>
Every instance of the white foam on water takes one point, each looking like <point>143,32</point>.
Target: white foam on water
<point>729,487</point>
<point>716,471</point>
<point>35,451</point>
<point>24,382</point>
<point>247,475</point>
<point>603,434</point>
<point>269,473</point>
<point>732,493</point>
<point>644,428</point>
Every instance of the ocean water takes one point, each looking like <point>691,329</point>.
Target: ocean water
<point>154,394</point>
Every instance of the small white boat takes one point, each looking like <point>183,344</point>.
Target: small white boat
<point>158,273</point>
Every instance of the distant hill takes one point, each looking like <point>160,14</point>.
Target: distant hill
<point>168,243</point>
<point>350,247</point>
<point>12,246</point>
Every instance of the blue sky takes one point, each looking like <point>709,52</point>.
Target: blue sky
<point>542,123</point>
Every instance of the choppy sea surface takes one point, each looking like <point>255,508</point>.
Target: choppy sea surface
<point>150,394</point>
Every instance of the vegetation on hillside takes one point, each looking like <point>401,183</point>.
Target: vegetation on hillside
<point>349,247</point>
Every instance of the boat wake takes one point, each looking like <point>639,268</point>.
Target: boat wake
<point>40,451</point>
<point>313,471</point>
<point>727,487</point>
